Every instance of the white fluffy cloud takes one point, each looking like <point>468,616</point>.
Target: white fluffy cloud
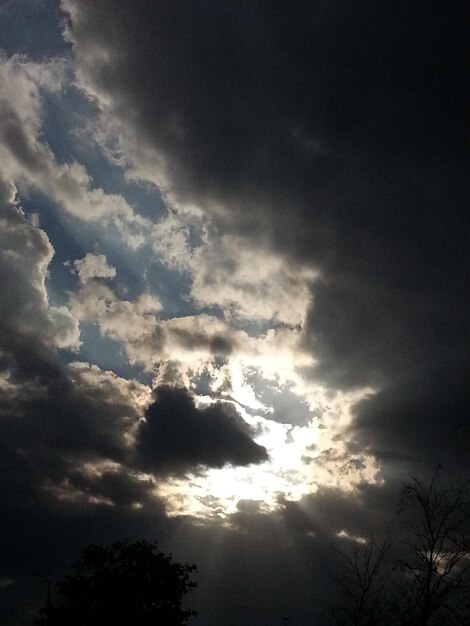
<point>29,161</point>
<point>66,328</point>
<point>227,271</point>
<point>93,266</point>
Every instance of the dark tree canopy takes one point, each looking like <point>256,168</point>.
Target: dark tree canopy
<point>130,584</point>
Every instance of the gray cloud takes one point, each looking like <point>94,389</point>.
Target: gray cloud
<point>335,132</point>
<point>422,418</point>
<point>178,437</point>
<point>26,332</point>
<point>118,487</point>
<point>53,417</point>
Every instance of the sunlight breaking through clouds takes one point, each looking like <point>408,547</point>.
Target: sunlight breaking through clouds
<point>233,274</point>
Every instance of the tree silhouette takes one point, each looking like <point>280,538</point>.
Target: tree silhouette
<point>130,584</point>
<point>364,578</point>
<point>437,567</point>
<point>429,584</point>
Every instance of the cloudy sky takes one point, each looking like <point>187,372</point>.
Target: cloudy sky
<point>234,269</point>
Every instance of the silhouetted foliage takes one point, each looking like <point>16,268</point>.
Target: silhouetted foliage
<point>130,584</point>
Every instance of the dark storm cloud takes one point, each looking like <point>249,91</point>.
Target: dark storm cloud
<point>335,129</point>
<point>68,418</point>
<point>421,418</point>
<point>178,437</point>
<point>118,487</point>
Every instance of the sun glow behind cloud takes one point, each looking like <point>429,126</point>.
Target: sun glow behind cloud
<point>234,311</point>
<point>305,451</point>
<point>301,458</point>
<point>226,311</point>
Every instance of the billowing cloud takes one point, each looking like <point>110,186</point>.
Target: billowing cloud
<point>244,280</point>
<point>52,416</point>
<point>30,162</point>
<point>66,328</point>
<point>301,309</point>
<point>136,324</point>
<point>423,419</point>
<point>93,266</point>
<point>27,332</point>
<point>335,134</point>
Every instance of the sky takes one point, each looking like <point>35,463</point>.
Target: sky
<point>234,269</point>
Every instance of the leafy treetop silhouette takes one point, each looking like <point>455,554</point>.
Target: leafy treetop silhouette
<point>126,583</point>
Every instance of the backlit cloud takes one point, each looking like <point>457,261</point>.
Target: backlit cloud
<point>234,277</point>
